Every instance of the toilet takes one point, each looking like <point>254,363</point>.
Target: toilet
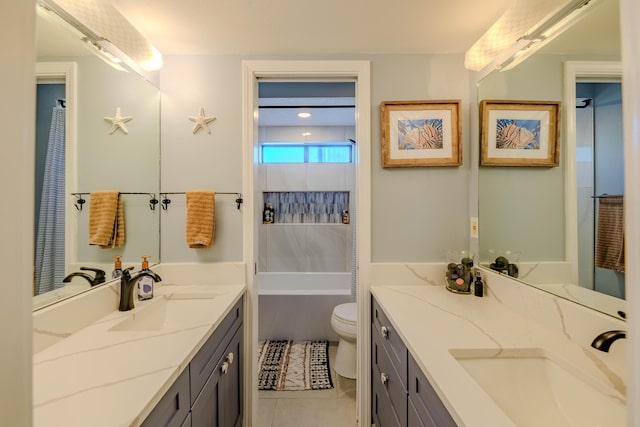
<point>344,323</point>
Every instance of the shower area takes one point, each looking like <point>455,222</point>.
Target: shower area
<point>306,194</point>
<point>600,187</point>
<point>49,214</point>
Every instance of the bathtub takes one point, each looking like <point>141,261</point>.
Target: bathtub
<point>304,283</point>
<point>306,298</point>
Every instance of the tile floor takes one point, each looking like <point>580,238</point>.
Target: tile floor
<point>320,408</point>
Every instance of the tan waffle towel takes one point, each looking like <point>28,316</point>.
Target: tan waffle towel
<point>201,214</point>
<point>609,251</point>
<point>106,219</point>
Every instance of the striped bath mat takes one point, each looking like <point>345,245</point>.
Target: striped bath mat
<point>294,365</point>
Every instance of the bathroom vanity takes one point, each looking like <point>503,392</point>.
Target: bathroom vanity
<point>443,359</point>
<point>173,360</point>
<point>401,393</point>
<point>209,390</point>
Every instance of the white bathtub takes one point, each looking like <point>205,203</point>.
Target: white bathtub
<point>304,283</point>
<point>309,298</point>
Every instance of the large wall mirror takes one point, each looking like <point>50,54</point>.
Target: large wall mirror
<point>545,219</point>
<point>80,152</point>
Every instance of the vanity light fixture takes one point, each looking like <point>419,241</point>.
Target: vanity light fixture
<point>105,55</point>
<point>108,49</point>
<point>109,32</point>
<point>522,30</point>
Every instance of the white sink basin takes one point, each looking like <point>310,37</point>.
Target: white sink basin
<point>171,312</point>
<point>535,389</point>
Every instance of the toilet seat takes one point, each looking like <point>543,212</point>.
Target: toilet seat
<point>346,313</point>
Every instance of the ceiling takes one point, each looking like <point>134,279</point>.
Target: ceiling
<point>287,27</point>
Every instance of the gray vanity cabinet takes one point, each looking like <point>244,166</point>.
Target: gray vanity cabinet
<point>208,393</point>
<point>401,395</point>
<point>425,407</point>
<point>219,404</point>
<point>388,372</point>
<point>174,406</point>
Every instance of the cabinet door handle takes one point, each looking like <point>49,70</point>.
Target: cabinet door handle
<point>230,358</point>
<point>384,378</point>
<point>384,331</point>
<point>225,367</point>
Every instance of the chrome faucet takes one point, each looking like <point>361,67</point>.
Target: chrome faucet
<point>127,284</point>
<point>99,277</point>
<point>603,341</point>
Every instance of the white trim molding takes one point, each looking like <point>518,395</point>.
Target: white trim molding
<point>630,32</point>
<point>358,71</point>
<point>573,71</point>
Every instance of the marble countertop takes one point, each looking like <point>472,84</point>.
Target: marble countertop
<point>103,377</point>
<point>433,321</point>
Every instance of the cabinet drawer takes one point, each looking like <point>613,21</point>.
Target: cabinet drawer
<point>390,340</point>
<point>382,411</point>
<point>212,351</point>
<point>384,374</point>
<point>174,406</point>
<point>425,400</point>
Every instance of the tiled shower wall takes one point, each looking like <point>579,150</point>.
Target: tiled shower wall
<point>308,206</point>
<point>314,245</point>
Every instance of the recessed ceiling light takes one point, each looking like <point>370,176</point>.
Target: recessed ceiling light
<point>304,115</point>
<point>306,133</point>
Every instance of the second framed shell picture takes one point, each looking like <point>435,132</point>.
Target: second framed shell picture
<point>519,133</point>
<point>421,133</point>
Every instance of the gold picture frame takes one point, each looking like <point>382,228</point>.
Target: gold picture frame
<point>519,133</point>
<point>421,133</point>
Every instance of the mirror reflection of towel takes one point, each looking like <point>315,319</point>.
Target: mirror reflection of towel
<point>609,251</point>
<point>106,219</point>
<point>201,213</point>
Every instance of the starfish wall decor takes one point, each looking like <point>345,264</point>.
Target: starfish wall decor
<point>118,122</point>
<point>201,121</point>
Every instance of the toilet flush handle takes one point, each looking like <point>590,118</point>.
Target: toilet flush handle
<point>384,331</point>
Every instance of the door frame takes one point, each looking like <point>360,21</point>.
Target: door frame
<point>573,71</point>
<point>359,71</point>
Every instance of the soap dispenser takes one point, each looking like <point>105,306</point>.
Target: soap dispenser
<point>117,267</point>
<point>145,283</point>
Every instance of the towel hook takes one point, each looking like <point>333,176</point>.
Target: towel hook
<point>79,201</point>
<point>165,201</point>
<point>153,202</point>
<point>239,200</point>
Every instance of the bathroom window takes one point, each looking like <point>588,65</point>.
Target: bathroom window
<point>306,153</point>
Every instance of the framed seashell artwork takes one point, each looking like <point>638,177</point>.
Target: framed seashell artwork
<point>519,133</point>
<point>421,133</point>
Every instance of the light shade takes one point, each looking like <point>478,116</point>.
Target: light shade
<point>522,29</point>
<point>106,27</point>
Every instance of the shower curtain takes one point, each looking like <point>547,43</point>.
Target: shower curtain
<point>49,251</point>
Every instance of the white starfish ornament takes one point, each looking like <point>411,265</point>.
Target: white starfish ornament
<point>118,122</point>
<point>201,121</point>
